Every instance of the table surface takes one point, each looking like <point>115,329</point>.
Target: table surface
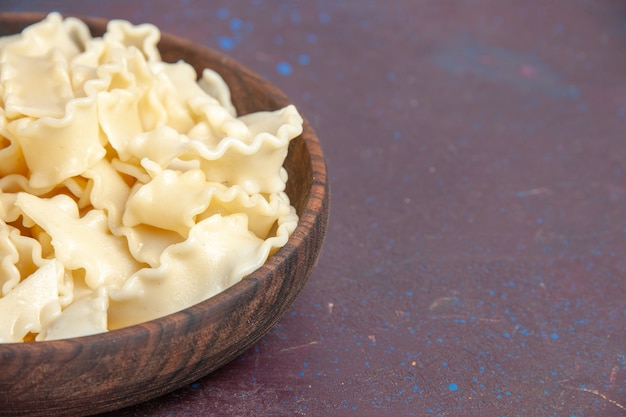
<point>475,257</point>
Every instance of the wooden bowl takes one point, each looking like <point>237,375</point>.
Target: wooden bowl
<point>108,371</point>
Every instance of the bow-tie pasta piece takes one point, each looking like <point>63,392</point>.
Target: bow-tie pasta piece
<point>222,245</point>
<point>81,243</point>
<point>86,315</point>
<point>258,155</point>
<point>21,256</point>
<point>69,36</point>
<point>57,149</point>
<point>32,304</point>
<point>108,192</point>
<point>170,201</point>
<point>9,274</point>
<point>11,157</point>
<point>35,86</point>
<point>264,212</point>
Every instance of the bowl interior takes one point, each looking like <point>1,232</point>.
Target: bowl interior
<point>108,371</point>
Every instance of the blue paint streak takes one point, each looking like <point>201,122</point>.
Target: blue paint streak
<point>453,387</point>
<point>517,69</point>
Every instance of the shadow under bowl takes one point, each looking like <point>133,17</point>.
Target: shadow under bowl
<point>104,372</point>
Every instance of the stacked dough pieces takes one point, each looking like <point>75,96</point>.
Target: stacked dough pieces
<point>128,188</point>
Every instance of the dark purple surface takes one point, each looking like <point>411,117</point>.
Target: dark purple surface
<point>475,259</point>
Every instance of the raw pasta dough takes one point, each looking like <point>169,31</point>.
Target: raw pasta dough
<point>128,188</point>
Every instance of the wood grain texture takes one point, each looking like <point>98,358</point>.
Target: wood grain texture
<point>104,372</point>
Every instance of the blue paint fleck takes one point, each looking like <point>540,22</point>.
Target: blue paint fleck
<point>506,335</point>
<point>295,17</point>
<point>284,68</point>
<point>558,29</point>
<point>304,59</point>
<point>453,387</point>
<point>574,92</point>
<point>236,23</point>
<point>195,385</point>
<point>222,13</point>
<point>524,194</point>
<point>324,18</point>
<point>554,336</point>
<point>226,43</point>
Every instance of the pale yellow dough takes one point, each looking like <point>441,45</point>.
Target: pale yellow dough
<point>129,189</point>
